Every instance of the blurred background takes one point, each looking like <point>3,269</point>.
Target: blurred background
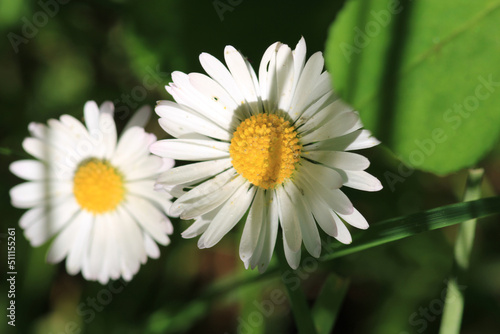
<point>56,55</point>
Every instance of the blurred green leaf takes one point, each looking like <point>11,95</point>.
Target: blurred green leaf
<point>329,302</point>
<point>424,76</point>
<point>10,11</point>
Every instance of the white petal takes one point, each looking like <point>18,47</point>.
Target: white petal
<point>58,135</point>
<point>326,218</point>
<point>324,115</point>
<point>112,261</point>
<point>308,227</point>
<point>253,225</point>
<point>339,202</point>
<point>229,215</point>
<point>239,70</point>
<point>65,240</point>
<point>50,222</point>
<point>269,233</point>
<point>172,191</point>
<point>125,264</point>
<point>193,172</point>
<point>151,247</point>
<point>321,174</point>
<point>38,130</point>
<point>98,246</point>
<point>341,160</point>
<point>194,149</point>
<point>253,75</point>
<point>221,74</point>
<point>79,249</point>
<point>323,85</point>
<point>107,108</point>
<point>91,115</point>
<point>204,188</point>
<point>285,76</point>
<point>307,80</point>
<point>140,118</point>
<point>336,127</point>
<point>299,59</point>
<point>145,189</point>
<point>133,145</point>
<point>323,216</point>
<point>32,170</point>
<point>148,167</point>
<point>176,121</point>
<point>32,216</point>
<point>127,261</point>
<point>194,207</point>
<point>355,219</point>
<point>267,78</point>
<point>29,194</point>
<point>315,107</point>
<point>198,227</point>
<point>215,93</point>
<point>335,144</point>
<point>107,132</point>
<point>149,217</point>
<point>184,93</point>
<point>364,140</point>
<point>56,158</point>
<point>288,220</point>
<point>292,257</point>
<point>362,181</point>
<point>343,234</point>
<point>74,126</point>
<point>133,238</point>
<point>259,254</point>
<point>334,198</point>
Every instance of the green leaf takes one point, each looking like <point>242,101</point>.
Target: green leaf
<point>328,304</point>
<point>424,76</point>
<point>402,227</point>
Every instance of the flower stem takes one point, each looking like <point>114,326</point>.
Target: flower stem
<point>454,304</point>
<point>300,309</point>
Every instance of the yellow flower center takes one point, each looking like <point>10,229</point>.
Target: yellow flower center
<point>265,149</point>
<point>98,186</point>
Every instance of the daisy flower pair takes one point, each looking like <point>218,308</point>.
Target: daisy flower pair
<point>271,148</point>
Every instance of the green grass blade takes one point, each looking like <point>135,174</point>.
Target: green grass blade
<point>298,303</point>
<point>454,303</point>
<point>402,227</point>
<point>328,304</point>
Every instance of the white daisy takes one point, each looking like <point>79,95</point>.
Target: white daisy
<point>272,146</point>
<point>94,192</point>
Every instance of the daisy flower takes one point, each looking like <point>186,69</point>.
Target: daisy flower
<point>274,150</point>
<point>94,192</point>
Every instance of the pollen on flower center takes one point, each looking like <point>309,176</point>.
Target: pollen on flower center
<point>265,149</point>
<point>98,186</point>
